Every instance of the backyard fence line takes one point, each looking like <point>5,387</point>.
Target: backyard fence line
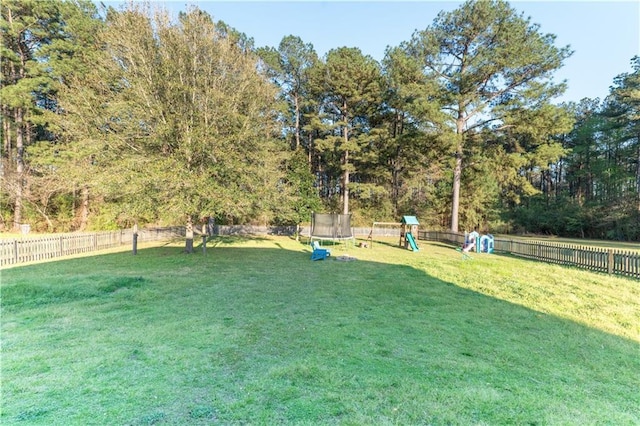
<point>31,249</point>
<point>609,261</point>
<point>28,249</point>
<point>303,230</point>
<point>257,230</point>
<point>25,249</point>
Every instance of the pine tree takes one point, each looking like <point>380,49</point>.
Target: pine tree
<point>289,67</point>
<point>485,57</point>
<point>352,87</point>
<point>28,26</point>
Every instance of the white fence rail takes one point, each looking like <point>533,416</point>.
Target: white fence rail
<point>30,249</point>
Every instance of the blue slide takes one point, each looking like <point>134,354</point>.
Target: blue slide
<point>412,242</point>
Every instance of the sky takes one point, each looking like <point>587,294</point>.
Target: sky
<point>604,35</point>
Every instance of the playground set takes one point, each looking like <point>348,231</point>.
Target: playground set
<point>408,232</point>
<point>337,227</point>
<point>409,228</point>
<point>474,242</point>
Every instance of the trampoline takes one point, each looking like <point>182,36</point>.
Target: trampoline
<point>331,226</point>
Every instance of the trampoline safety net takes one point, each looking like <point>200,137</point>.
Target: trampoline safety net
<point>331,226</point>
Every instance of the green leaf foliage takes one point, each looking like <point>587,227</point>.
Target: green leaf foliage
<point>176,120</point>
<point>115,116</point>
<point>484,57</point>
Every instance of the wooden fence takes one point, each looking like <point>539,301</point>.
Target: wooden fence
<point>303,230</point>
<point>609,261</point>
<point>29,249</point>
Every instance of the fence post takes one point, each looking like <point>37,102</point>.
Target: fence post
<point>610,261</point>
<point>135,239</point>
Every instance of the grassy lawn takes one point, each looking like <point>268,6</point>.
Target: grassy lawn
<point>253,332</point>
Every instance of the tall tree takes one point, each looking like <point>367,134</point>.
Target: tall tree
<point>625,94</point>
<point>289,67</point>
<point>352,85</point>
<point>176,121</point>
<point>531,138</point>
<point>412,149</point>
<point>300,195</point>
<point>584,145</point>
<point>59,193</point>
<point>27,27</point>
<point>484,55</point>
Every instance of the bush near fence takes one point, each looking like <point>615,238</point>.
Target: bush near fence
<point>609,261</point>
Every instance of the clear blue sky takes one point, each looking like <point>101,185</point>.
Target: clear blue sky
<point>605,35</point>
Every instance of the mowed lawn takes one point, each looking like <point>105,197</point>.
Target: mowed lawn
<point>253,332</point>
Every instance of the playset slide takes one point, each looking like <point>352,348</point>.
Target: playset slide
<point>412,242</point>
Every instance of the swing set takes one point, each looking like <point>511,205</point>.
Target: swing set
<point>407,228</point>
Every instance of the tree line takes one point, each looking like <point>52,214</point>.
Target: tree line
<point>115,117</point>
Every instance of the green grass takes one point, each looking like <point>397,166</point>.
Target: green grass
<point>253,332</point>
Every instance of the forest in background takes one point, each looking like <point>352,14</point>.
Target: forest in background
<point>115,117</point>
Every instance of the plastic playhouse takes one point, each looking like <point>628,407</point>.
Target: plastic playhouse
<point>474,242</point>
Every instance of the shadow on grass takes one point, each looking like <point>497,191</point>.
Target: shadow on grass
<point>265,335</point>
<point>390,243</point>
<point>218,240</point>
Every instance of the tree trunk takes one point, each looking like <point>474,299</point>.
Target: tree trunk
<point>189,237</point>
<point>558,179</point>
<point>345,184</point>
<point>345,176</point>
<point>84,209</point>
<point>580,185</point>
<point>455,199</point>
<point>457,171</point>
<point>6,131</point>
<point>19,183</point>
<point>638,173</point>
<point>297,107</point>
<point>395,185</point>
<point>398,130</point>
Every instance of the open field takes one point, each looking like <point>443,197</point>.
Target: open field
<point>253,332</point>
